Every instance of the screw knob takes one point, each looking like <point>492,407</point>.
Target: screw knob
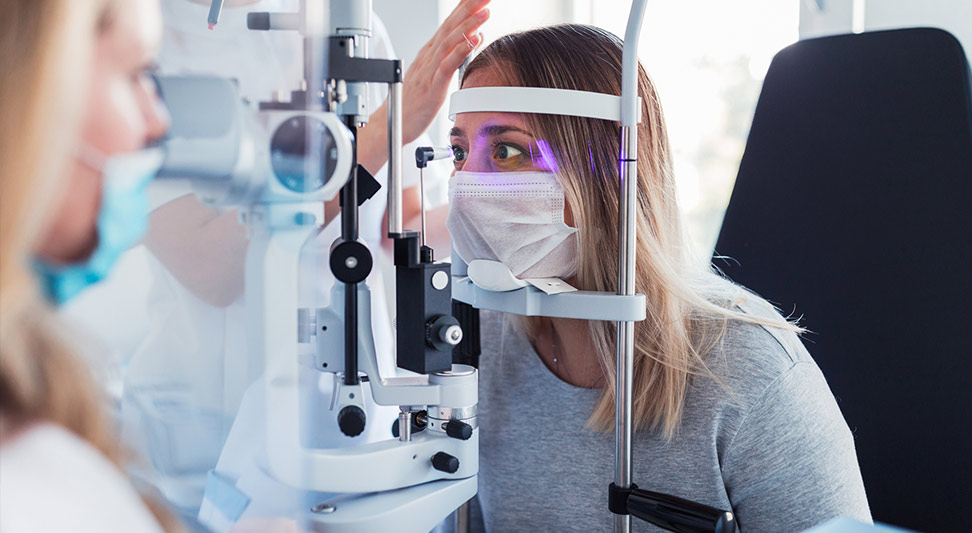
<point>443,333</point>
<point>458,429</point>
<point>451,335</point>
<point>444,462</point>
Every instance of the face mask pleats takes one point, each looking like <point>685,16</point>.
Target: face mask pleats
<point>515,218</point>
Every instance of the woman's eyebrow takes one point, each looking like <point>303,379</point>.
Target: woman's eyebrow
<point>499,129</point>
<point>489,131</point>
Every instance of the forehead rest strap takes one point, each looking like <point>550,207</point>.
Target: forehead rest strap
<point>537,100</point>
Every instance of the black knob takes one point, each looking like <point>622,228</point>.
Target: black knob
<point>351,420</point>
<point>458,429</point>
<point>350,261</point>
<point>444,462</point>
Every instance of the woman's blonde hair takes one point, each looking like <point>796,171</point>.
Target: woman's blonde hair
<point>44,46</point>
<point>689,305</point>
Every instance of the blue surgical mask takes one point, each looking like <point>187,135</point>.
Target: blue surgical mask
<point>122,221</point>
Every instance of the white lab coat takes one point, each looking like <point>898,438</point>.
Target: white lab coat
<point>185,382</point>
<point>50,480</point>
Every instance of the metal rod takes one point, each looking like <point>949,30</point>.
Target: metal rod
<point>627,217</point>
<point>349,194</point>
<point>462,518</point>
<point>422,201</point>
<point>351,334</point>
<point>405,426</point>
<point>349,233</point>
<point>395,158</point>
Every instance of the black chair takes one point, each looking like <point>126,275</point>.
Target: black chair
<point>853,209</point>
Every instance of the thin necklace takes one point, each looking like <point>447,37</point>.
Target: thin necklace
<point>554,349</point>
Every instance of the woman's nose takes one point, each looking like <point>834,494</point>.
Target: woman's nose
<point>157,119</point>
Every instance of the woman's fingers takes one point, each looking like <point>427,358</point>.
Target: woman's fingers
<point>458,54</point>
<point>462,12</point>
<point>447,36</point>
<point>462,33</point>
<point>427,79</point>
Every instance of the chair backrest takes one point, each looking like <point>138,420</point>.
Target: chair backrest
<point>853,209</point>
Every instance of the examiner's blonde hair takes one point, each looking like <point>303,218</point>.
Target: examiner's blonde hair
<point>44,48</point>
<point>689,305</point>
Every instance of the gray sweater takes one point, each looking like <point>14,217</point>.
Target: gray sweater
<point>777,451</point>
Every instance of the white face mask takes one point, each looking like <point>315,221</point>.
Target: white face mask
<point>515,218</point>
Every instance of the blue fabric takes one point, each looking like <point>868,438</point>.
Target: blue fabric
<point>122,220</point>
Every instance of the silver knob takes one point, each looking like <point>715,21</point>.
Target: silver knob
<point>451,335</point>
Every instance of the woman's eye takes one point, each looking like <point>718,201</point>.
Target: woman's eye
<point>458,153</point>
<point>507,157</point>
<point>506,151</point>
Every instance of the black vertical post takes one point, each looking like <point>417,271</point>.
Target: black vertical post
<point>349,233</point>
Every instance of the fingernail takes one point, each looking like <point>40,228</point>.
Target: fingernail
<point>483,14</point>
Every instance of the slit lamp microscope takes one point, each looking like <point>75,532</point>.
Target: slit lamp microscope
<point>279,162</point>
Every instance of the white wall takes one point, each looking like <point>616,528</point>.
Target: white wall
<point>952,15</point>
<point>825,17</point>
<point>828,17</point>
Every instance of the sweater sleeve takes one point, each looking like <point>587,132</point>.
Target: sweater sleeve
<point>792,464</point>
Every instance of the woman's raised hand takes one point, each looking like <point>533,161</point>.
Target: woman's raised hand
<point>427,79</point>
<point>426,82</point>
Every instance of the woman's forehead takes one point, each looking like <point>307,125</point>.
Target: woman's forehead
<point>489,123</point>
<point>484,77</point>
<point>479,123</point>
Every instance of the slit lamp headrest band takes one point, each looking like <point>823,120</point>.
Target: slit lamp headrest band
<point>537,100</point>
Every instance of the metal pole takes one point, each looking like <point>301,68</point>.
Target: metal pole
<point>462,518</point>
<point>395,158</point>
<point>349,233</point>
<point>422,202</point>
<point>627,217</point>
<point>628,169</point>
<point>405,426</point>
